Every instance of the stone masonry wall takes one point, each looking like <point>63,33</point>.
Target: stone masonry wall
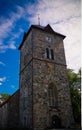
<point>40,44</point>
<point>3,116</point>
<point>29,107</point>
<point>26,52</point>
<point>36,74</point>
<point>26,83</point>
<point>13,111</point>
<point>9,112</point>
<point>26,97</point>
<point>43,76</point>
<point>46,71</point>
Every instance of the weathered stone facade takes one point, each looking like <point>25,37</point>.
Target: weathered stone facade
<point>9,112</point>
<point>43,64</point>
<point>43,99</point>
<point>26,74</point>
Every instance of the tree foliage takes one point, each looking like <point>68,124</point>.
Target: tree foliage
<point>76,103</point>
<point>75,86</point>
<point>5,96</point>
<point>74,77</point>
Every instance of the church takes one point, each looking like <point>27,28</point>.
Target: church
<point>43,99</point>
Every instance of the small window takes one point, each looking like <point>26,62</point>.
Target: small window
<point>52,54</point>
<point>48,39</point>
<point>47,53</point>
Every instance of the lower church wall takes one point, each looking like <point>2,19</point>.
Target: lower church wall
<point>9,112</point>
<point>45,76</point>
<point>3,116</point>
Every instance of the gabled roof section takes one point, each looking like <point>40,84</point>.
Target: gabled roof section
<point>46,29</point>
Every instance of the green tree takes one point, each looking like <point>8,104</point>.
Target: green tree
<point>5,96</point>
<point>75,85</point>
<point>76,103</point>
<point>73,77</point>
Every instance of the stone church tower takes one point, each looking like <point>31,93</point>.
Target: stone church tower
<point>44,92</point>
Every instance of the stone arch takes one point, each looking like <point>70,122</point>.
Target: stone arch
<point>52,95</point>
<point>56,122</point>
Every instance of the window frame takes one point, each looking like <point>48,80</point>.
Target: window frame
<point>48,39</point>
<point>49,54</point>
<point>52,54</point>
<point>52,95</point>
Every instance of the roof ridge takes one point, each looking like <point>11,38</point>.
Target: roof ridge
<point>47,28</point>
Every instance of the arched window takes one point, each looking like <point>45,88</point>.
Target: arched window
<point>52,94</point>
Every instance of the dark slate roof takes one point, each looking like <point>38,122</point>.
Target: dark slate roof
<point>44,28</point>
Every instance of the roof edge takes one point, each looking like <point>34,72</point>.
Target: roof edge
<point>41,28</point>
<point>17,91</point>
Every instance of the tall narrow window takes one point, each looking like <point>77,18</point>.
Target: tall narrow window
<point>25,122</point>
<point>52,94</point>
<point>52,54</point>
<point>47,53</point>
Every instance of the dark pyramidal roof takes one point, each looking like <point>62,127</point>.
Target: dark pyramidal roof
<point>44,28</point>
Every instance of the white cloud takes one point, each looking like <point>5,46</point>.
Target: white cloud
<point>12,45</point>
<point>1,63</point>
<point>2,80</point>
<point>12,86</point>
<point>4,48</point>
<point>72,42</point>
<point>64,17</point>
<point>54,11</point>
<point>0,83</point>
<point>6,26</point>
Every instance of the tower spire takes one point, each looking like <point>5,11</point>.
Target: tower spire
<point>38,19</point>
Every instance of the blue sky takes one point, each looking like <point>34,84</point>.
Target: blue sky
<point>16,16</point>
